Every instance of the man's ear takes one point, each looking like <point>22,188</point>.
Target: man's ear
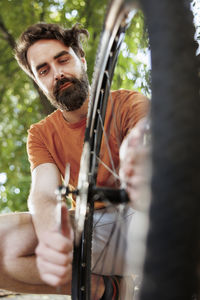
<point>84,63</point>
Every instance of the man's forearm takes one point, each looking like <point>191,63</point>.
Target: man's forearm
<point>44,212</point>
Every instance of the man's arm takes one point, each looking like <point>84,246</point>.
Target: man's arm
<point>42,199</point>
<point>54,250</point>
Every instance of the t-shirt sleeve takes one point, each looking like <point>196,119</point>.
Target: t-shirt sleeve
<point>135,107</point>
<point>36,148</point>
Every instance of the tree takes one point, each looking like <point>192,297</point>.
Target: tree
<point>22,103</point>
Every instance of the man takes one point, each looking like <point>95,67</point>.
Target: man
<point>54,58</point>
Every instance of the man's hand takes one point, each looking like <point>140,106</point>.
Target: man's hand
<point>55,253</point>
<point>135,165</point>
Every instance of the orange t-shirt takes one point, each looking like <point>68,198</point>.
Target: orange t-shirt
<point>54,140</point>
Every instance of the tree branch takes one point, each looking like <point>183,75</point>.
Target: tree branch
<point>47,107</point>
<point>6,35</point>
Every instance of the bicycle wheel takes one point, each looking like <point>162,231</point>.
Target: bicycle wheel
<point>170,267</point>
<point>116,22</point>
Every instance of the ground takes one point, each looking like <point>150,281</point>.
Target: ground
<point>8,295</point>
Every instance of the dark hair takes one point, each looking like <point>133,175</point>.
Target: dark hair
<point>70,37</point>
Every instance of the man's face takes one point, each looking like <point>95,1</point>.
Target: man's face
<point>60,73</point>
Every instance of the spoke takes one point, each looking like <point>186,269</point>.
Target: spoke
<point>109,169</point>
<point>117,226</point>
<point>107,143</point>
<point>113,170</point>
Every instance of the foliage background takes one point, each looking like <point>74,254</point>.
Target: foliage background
<point>21,104</point>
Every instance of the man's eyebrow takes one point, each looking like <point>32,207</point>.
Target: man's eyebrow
<point>64,52</point>
<point>41,66</point>
<point>61,54</point>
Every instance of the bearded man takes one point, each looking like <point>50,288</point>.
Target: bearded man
<point>41,256</point>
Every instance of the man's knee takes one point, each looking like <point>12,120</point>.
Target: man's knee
<point>17,235</point>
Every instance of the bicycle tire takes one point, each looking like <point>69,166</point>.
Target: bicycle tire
<point>170,266</point>
<point>110,42</point>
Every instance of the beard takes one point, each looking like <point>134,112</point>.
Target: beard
<point>73,96</point>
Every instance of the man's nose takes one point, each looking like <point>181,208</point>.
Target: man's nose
<point>58,76</point>
<point>57,72</point>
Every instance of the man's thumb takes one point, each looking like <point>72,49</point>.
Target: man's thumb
<point>65,222</point>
